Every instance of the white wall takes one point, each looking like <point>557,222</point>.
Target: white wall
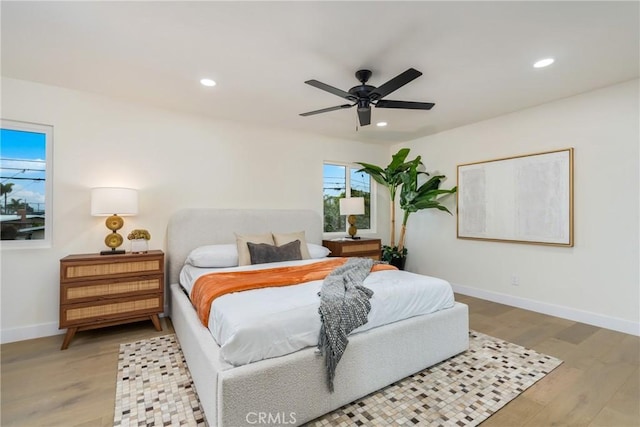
<point>175,161</point>
<point>597,280</point>
<point>179,160</point>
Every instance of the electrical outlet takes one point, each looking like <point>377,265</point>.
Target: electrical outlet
<point>515,280</point>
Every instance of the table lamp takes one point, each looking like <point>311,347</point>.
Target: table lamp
<point>352,206</point>
<point>114,203</point>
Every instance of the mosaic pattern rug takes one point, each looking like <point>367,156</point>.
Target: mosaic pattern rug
<point>154,388</point>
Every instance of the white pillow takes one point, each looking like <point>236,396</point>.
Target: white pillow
<point>214,256</point>
<point>284,238</point>
<point>317,251</point>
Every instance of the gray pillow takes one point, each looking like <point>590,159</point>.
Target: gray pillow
<point>262,253</point>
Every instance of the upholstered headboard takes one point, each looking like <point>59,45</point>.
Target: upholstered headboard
<point>190,228</point>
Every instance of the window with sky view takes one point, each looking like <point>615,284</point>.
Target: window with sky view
<point>339,181</point>
<point>24,179</point>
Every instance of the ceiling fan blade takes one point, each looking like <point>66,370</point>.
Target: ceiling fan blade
<point>331,89</point>
<point>326,110</point>
<point>395,83</point>
<point>364,115</point>
<point>384,103</point>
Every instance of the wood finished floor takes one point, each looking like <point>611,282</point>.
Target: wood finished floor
<point>597,385</point>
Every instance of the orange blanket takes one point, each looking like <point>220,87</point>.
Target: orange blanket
<point>211,286</point>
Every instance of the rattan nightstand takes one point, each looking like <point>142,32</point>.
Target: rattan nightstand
<point>365,248</point>
<point>106,290</point>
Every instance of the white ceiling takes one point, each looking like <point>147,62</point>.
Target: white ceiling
<point>476,56</point>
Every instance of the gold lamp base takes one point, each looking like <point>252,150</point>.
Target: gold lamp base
<point>113,239</point>
<point>352,226</point>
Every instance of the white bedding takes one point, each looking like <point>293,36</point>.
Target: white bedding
<point>269,322</point>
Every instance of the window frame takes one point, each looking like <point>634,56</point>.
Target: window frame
<point>372,203</point>
<point>47,130</point>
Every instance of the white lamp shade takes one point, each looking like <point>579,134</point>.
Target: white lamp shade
<point>106,201</point>
<point>352,206</point>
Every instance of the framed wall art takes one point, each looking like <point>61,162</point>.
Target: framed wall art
<point>521,199</point>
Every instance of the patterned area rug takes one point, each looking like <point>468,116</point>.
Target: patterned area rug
<point>154,387</point>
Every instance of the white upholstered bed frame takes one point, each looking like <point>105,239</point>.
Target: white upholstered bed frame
<point>291,389</point>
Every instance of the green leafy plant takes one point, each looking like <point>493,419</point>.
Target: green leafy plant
<point>391,178</point>
<point>139,234</point>
<point>403,175</point>
<point>392,253</point>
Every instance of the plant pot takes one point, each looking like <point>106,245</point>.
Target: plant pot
<point>398,262</point>
<point>139,246</point>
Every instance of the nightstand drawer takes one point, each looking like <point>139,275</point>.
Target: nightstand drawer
<point>83,314</point>
<point>364,247</point>
<point>104,289</point>
<point>102,267</point>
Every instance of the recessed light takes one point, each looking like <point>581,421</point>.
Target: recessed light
<point>207,82</point>
<point>381,124</point>
<point>543,63</point>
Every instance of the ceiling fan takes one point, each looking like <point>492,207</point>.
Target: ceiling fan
<point>364,95</point>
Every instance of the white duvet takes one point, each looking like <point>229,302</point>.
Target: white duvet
<point>258,324</point>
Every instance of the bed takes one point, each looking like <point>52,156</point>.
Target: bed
<point>291,389</point>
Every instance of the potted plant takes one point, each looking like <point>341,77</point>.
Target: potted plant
<point>391,178</point>
<point>139,240</point>
<point>394,256</point>
<point>405,175</point>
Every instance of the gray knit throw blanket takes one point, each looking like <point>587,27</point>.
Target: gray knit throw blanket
<point>344,306</point>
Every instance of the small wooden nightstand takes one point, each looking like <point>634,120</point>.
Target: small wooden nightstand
<point>106,290</point>
<point>365,248</point>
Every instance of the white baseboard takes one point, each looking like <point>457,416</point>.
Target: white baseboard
<point>30,332</point>
<point>34,331</point>
<point>595,319</point>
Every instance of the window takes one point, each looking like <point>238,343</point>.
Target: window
<point>343,180</point>
<point>25,178</point>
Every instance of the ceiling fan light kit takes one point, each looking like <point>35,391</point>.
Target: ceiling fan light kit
<point>364,95</point>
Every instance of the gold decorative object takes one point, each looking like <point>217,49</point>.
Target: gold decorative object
<point>139,233</point>
<point>114,222</point>
<point>139,241</point>
<point>114,239</point>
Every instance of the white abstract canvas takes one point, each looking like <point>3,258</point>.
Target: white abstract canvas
<point>526,199</point>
